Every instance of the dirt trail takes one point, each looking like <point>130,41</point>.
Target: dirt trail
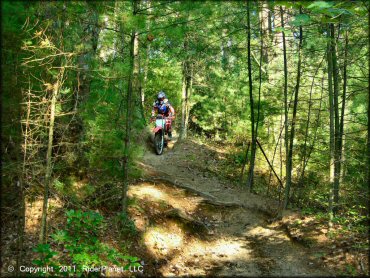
<point>194,223</point>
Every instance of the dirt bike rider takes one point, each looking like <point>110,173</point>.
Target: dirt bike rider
<point>163,107</point>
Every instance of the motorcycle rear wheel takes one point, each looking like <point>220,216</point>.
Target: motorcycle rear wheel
<point>159,143</point>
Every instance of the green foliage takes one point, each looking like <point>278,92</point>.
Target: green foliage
<point>84,249</point>
<point>127,226</point>
<point>45,255</point>
<point>105,125</point>
<point>300,20</point>
<point>319,5</point>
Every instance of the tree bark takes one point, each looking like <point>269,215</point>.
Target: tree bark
<point>305,155</point>
<point>262,56</point>
<point>337,144</point>
<point>21,187</point>
<point>48,170</point>
<point>331,120</point>
<point>251,103</point>
<point>265,24</point>
<point>244,163</point>
<point>343,109</point>
<point>308,155</point>
<point>187,78</point>
<point>268,162</point>
<point>146,65</point>
<point>132,87</point>
<point>292,130</point>
<point>286,132</point>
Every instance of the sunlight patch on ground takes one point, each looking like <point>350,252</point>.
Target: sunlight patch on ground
<point>166,194</point>
<point>198,257</point>
<point>34,212</point>
<point>150,191</point>
<point>161,241</point>
<point>269,234</point>
<point>217,149</point>
<point>224,247</point>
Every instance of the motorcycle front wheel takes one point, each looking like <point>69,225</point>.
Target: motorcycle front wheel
<point>159,142</point>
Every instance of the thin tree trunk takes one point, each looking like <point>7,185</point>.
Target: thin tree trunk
<point>278,143</point>
<point>245,163</point>
<point>183,103</point>
<point>268,162</point>
<point>251,103</point>
<point>22,207</point>
<point>265,25</point>
<point>337,143</point>
<point>186,87</point>
<point>292,130</point>
<point>285,91</point>
<point>48,170</point>
<point>343,109</point>
<point>331,121</point>
<point>188,96</point>
<point>260,74</point>
<point>305,162</point>
<point>305,159</point>
<point>133,86</point>
<point>146,65</point>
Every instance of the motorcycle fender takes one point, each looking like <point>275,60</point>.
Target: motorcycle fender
<point>156,129</point>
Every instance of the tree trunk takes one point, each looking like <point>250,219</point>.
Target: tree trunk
<point>187,74</point>
<point>268,162</point>
<point>305,156</point>
<point>343,109</point>
<point>262,56</point>
<point>337,144</point>
<point>184,99</point>
<point>133,86</point>
<point>331,119</point>
<point>244,163</point>
<point>251,103</point>
<point>292,130</point>
<point>22,206</point>
<point>265,22</point>
<point>278,143</point>
<point>48,170</point>
<point>188,96</point>
<point>286,132</point>
<point>146,65</point>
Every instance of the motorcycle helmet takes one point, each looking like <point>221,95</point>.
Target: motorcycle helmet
<point>161,95</point>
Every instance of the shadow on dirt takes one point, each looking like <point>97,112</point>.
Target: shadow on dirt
<point>186,234</point>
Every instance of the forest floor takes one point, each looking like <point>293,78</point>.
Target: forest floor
<point>193,222</point>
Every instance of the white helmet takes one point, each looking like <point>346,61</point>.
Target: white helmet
<point>161,95</point>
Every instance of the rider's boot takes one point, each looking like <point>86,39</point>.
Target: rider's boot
<point>170,135</point>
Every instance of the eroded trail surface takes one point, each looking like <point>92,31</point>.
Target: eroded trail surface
<point>194,223</point>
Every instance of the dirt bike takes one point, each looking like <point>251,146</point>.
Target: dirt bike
<point>162,126</point>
